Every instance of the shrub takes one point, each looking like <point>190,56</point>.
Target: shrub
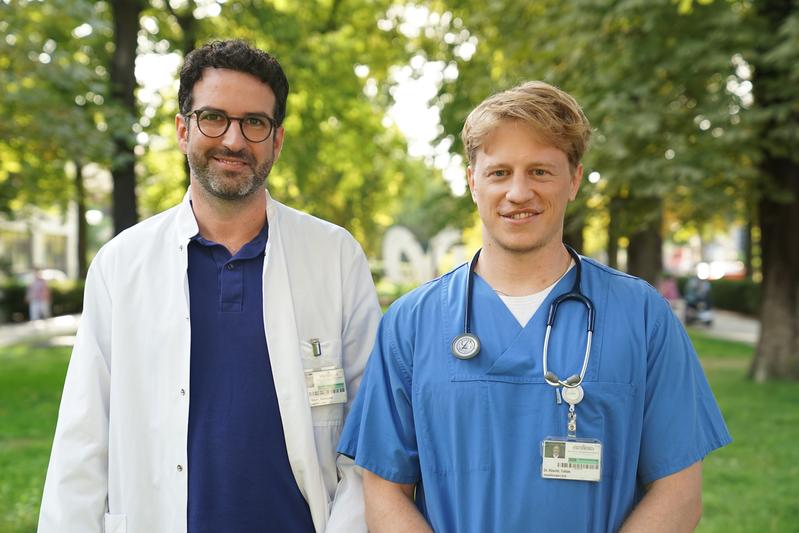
<point>67,299</point>
<point>739,295</point>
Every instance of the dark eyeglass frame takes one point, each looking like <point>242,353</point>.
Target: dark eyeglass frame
<point>272,122</point>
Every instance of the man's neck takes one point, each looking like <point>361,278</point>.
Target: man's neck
<point>522,274</point>
<point>231,224</point>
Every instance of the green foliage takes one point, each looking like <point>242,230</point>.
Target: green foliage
<point>52,69</point>
<point>652,79</point>
<point>339,162</point>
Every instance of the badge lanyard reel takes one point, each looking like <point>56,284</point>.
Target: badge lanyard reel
<point>570,458</point>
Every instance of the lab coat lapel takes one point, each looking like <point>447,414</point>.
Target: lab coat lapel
<point>284,354</point>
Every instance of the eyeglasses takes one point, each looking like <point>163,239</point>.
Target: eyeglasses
<point>214,123</point>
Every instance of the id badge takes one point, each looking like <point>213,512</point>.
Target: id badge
<point>571,459</point>
<point>326,385</point>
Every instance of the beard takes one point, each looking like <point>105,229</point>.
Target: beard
<point>230,185</point>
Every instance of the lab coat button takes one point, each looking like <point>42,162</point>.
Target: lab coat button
<point>180,468</point>
<point>183,392</point>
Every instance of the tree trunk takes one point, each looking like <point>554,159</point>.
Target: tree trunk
<point>614,213</point>
<point>188,29</point>
<point>573,232</point>
<point>748,244</point>
<point>123,86</point>
<point>777,354</point>
<point>80,201</point>
<point>645,252</point>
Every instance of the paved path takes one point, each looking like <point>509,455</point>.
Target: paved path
<point>728,325</point>
<point>61,330</point>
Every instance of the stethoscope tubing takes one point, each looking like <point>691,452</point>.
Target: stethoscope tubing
<point>575,293</point>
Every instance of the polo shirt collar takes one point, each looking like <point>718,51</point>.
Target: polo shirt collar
<point>187,225</point>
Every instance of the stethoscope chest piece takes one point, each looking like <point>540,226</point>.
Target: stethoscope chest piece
<point>465,346</point>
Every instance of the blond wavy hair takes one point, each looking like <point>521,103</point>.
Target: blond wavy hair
<point>552,113</point>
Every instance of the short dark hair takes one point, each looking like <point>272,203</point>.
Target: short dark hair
<point>233,55</point>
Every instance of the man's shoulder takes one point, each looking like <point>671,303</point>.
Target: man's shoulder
<point>145,233</point>
<point>628,292</point>
<point>616,278</point>
<point>315,231</point>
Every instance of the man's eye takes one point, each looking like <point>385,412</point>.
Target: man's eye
<point>498,173</point>
<point>540,172</point>
<point>255,122</point>
<point>210,116</point>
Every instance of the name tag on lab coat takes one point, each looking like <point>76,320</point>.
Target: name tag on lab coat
<point>326,385</point>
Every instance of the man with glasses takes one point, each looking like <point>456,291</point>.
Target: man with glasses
<point>221,344</point>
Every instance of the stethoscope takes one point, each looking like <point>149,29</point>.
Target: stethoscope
<point>467,345</point>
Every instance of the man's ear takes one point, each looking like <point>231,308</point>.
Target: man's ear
<point>576,180</point>
<point>278,142</point>
<point>470,182</point>
<point>182,130</point>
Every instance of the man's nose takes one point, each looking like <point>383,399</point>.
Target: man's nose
<point>233,139</point>
<point>520,189</point>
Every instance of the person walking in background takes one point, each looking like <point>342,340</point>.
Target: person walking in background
<point>221,343</point>
<point>38,296</point>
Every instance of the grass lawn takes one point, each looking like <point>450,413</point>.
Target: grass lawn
<point>750,486</point>
<point>31,379</point>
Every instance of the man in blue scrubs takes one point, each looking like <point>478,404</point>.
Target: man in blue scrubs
<point>458,440</point>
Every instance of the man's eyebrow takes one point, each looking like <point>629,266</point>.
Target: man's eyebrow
<point>247,114</point>
<point>541,164</point>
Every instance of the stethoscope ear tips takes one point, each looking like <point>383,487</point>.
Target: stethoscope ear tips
<point>573,380</point>
<point>551,378</point>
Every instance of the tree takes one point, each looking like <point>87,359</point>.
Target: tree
<point>125,17</point>
<point>776,108</point>
<point>651,79</point>
<point>55,89</point>
<point>340,161</point>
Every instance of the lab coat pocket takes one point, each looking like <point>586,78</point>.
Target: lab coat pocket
<point>317,355</point>
<point>115,523</point>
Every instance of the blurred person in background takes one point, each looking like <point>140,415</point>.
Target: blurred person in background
<point>38,297</point>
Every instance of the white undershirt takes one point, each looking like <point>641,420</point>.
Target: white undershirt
<point>524,307</point>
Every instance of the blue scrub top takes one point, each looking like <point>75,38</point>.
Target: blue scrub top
<point>470,431</point>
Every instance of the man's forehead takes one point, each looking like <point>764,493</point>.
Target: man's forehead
<point>513,139</point>
<point>232,91</point>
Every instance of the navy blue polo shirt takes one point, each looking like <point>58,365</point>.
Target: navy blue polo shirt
<point>240,479</point>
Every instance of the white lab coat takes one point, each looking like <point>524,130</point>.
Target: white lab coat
<point>119,456</point>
